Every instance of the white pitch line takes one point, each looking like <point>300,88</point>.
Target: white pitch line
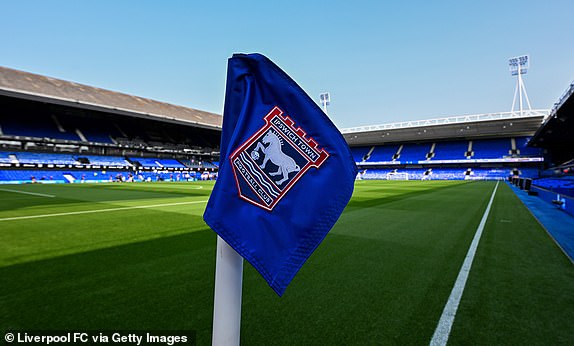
<point>176,187</point>
<point>29,193</point>
<point>442,331</point>
<point>97,211</point>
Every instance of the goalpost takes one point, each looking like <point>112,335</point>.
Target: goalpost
<point>397,176</point>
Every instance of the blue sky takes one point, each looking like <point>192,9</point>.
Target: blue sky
<point>382,61</point>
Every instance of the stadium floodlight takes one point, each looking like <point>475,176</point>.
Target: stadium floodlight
<point>325,100</point>
<point>518,66</point>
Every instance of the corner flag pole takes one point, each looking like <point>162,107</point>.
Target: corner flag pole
<point>227,301</point>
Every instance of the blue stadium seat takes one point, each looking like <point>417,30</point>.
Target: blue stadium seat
<point>359,153</point>
<point>42,127</point>
<point>19,176</point>
<point>105,160</point>
<point>413,152</point>
<point>454,150</point>
<point>521,145</point>
<point>447,174</point>
<point>376,174</point>
<point>491,148</point>
<point>5,157</point>
<point>45,158</point>
<point>159,163</point>
<point>383,153</point>
<point>562,185</point>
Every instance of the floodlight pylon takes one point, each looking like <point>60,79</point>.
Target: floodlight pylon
<point>518,66</point>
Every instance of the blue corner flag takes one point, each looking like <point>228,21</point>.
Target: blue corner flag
<point>285,174</point>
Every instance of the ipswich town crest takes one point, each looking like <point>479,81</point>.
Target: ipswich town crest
<point>269,163</point>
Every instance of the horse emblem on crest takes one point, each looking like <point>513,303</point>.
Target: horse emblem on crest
<point>271,161</point>
<point>274,153</point>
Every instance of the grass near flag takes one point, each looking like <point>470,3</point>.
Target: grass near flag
<point>382,275</point>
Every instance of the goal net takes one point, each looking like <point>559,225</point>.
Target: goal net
<point>397,176</point>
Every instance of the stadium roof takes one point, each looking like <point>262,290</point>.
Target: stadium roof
<point>458,127</point>
<point>20,84</point>
<point>558,129</point>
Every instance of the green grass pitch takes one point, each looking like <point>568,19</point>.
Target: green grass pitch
<point>97,257</point>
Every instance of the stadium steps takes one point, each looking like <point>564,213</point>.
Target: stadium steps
<point>69,178</point>
<point>430,154</point>
<point>398,153</point>
<point>469,153</point>
<point>81,135</point>
<point>120,130</point>
<point>368,155</point>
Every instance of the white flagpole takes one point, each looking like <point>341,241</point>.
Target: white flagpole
<point>227,301</point>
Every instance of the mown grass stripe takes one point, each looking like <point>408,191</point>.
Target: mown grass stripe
<point>98,211</point>
<point>442,331</point>
<point>29,193</point>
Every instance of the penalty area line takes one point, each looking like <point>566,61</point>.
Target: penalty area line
<point>29,193</point>
<point>442,331</point>
<point>98,211</point>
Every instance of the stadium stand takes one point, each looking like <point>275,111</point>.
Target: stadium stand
<point>30,125</point>
<point>92,130</point>
<point>489,173</point>
<point>497,148</point>
<point>447,173</point>
<point>42,158</point>
<point>524,150</point>
<point>103,160</point>
<point>171,163</point>
<point>491,148</point>
<point>493,158</point>
<point>209,165</point>
<point>451,150</point>
<point>7,158</point>
<point>81,127</point>
<point>92,176</point>
<point>414,152</point>
<point>562,185</point>
<point>47,125</point>
<point>556,183</point>
<point>359,153</point>
<point>383,153</point>
<point>375,174</point>
<point>527,172</point>
<point>157,162</point>
<point>199,164</point>
<point>19,176</point>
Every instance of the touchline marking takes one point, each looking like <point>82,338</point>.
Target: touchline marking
<point>29,193</point>
<point>97,211</point>
<point>442,331</point>
<point>177,187</point>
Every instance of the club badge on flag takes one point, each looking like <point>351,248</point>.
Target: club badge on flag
<point>285,173</point>
<point>269,163</point>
